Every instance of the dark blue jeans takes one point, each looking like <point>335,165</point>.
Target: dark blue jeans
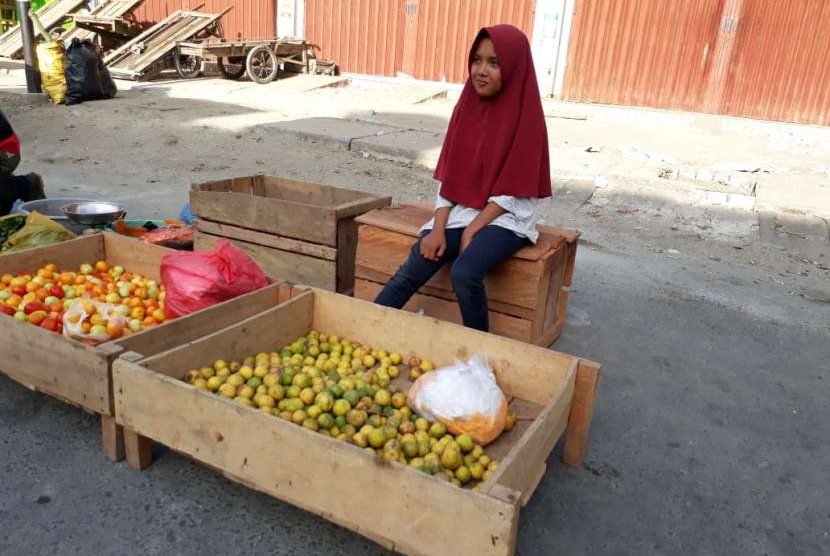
<point>488,248</point>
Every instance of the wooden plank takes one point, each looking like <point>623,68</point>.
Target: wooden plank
<point>523,371</point>
<point>56,365</point>
<point>346,252</point>
<point>369,275</point>
<point>50,15</point>
<point>501,324</point>
<point>284,218</point>
<point>279,264</point>
<point>409,217</point>
<point>519,470</point>
<point>270,329</point>
<point>138,449</point>
<point>513,282</point>
<point>68,254</point>
<point>582,410</point>
<point>136,256</point>
<point>112,438</point>
<point>362,206</point>
<point>409,511</point>
<point>180,331</point>
<point>267,240</point>
<point>112,10</point>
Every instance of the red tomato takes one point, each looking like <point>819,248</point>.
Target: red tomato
<point>7,310</point>
<point>57,291</point>
<point>34,306</point>
<point>50,323</point>
<point>19,290</point>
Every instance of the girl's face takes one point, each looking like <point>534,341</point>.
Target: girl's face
<point>485,72</point>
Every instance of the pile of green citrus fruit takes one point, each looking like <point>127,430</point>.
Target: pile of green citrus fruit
<point>342,389</point>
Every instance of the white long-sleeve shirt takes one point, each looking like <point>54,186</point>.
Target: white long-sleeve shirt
<point>520,217</point>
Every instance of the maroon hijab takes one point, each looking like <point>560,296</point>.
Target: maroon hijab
<point>498,145</point>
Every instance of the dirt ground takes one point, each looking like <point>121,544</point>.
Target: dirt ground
<point>713,324</point>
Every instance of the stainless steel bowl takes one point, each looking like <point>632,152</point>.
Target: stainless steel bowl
<point>94,213</point>
<point>50,207</point>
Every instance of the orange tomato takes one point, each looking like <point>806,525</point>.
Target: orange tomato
<point>41,294</point>
<point>86,327</point>
<point>13,301</point>
<point>6,279</point>
<point>102,266</point>
<point>141,292</point>
<point>80,279</point>
<point>115,329</point>
<point>137,313</point>
<point>51,268</point>
<point>56,307</point>
<point>43,273</point>
<point>65,278</point>
<point>158,315</point>
<point>149,321</point>
<point>74,318</point>
<point>37,317</point>
<point>31,286</point>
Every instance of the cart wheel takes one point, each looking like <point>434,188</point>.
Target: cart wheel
<point>262,64</point>
<point>188,67</point>
<point>235,68</point>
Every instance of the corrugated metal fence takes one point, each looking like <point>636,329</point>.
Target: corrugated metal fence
<point>426,39</point>
<point>759,58</point>
<point>248,19</point>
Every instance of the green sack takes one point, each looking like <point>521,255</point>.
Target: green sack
<point>9,225</point>
<point>38,231</point>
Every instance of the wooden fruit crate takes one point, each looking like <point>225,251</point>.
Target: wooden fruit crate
<point>300,232</point>
<point>400,508</point>
<point>527,294</point>
<point>81,374</point>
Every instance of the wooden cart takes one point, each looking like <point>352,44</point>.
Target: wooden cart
<point>259,58</point>
<point>400,508</point>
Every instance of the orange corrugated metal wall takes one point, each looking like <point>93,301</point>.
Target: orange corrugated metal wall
<point>249,19</point>
<point>759,58</point>
<point>426,39</point>
<point>781,66</point>
<point>641,52</point>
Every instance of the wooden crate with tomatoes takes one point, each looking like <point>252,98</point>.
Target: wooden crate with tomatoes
<point>404,508</point>
<point>34,285</point>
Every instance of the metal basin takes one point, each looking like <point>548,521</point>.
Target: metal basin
<point>93,213</point>
<point>50,207</point>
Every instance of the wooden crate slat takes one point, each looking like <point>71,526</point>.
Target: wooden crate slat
<point>267,240</point>
<point>276,263</point>
<point>437,308</point>
<point>514,282</point>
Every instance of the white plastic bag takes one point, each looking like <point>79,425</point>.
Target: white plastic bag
<point>109,325</point>
<point>464,397</point>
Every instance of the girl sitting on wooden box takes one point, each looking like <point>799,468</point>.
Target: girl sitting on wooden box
<point>494,168</point>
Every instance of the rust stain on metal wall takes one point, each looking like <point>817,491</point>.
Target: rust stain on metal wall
<point>426,39</point>
<point>641,52</point>
<point>781,67</point>
<point>249,19</point>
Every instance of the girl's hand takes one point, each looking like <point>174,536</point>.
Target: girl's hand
<point>466,237</point>
<point>434,245</point>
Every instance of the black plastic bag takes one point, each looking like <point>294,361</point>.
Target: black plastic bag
<point>86,76</point>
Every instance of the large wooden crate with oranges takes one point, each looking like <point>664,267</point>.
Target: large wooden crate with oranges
<point>35,283</point>
<point>243,401</point>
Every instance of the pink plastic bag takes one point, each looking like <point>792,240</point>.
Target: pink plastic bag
<point>199,279</point>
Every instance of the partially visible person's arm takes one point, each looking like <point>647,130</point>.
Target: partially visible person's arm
<point>484,218</point>
<point>434,244</point>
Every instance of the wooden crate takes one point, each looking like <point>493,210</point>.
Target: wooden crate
<point>527,294</point>
<point>297,231</point>
<point>81,374</point>
<point>407,511</point>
